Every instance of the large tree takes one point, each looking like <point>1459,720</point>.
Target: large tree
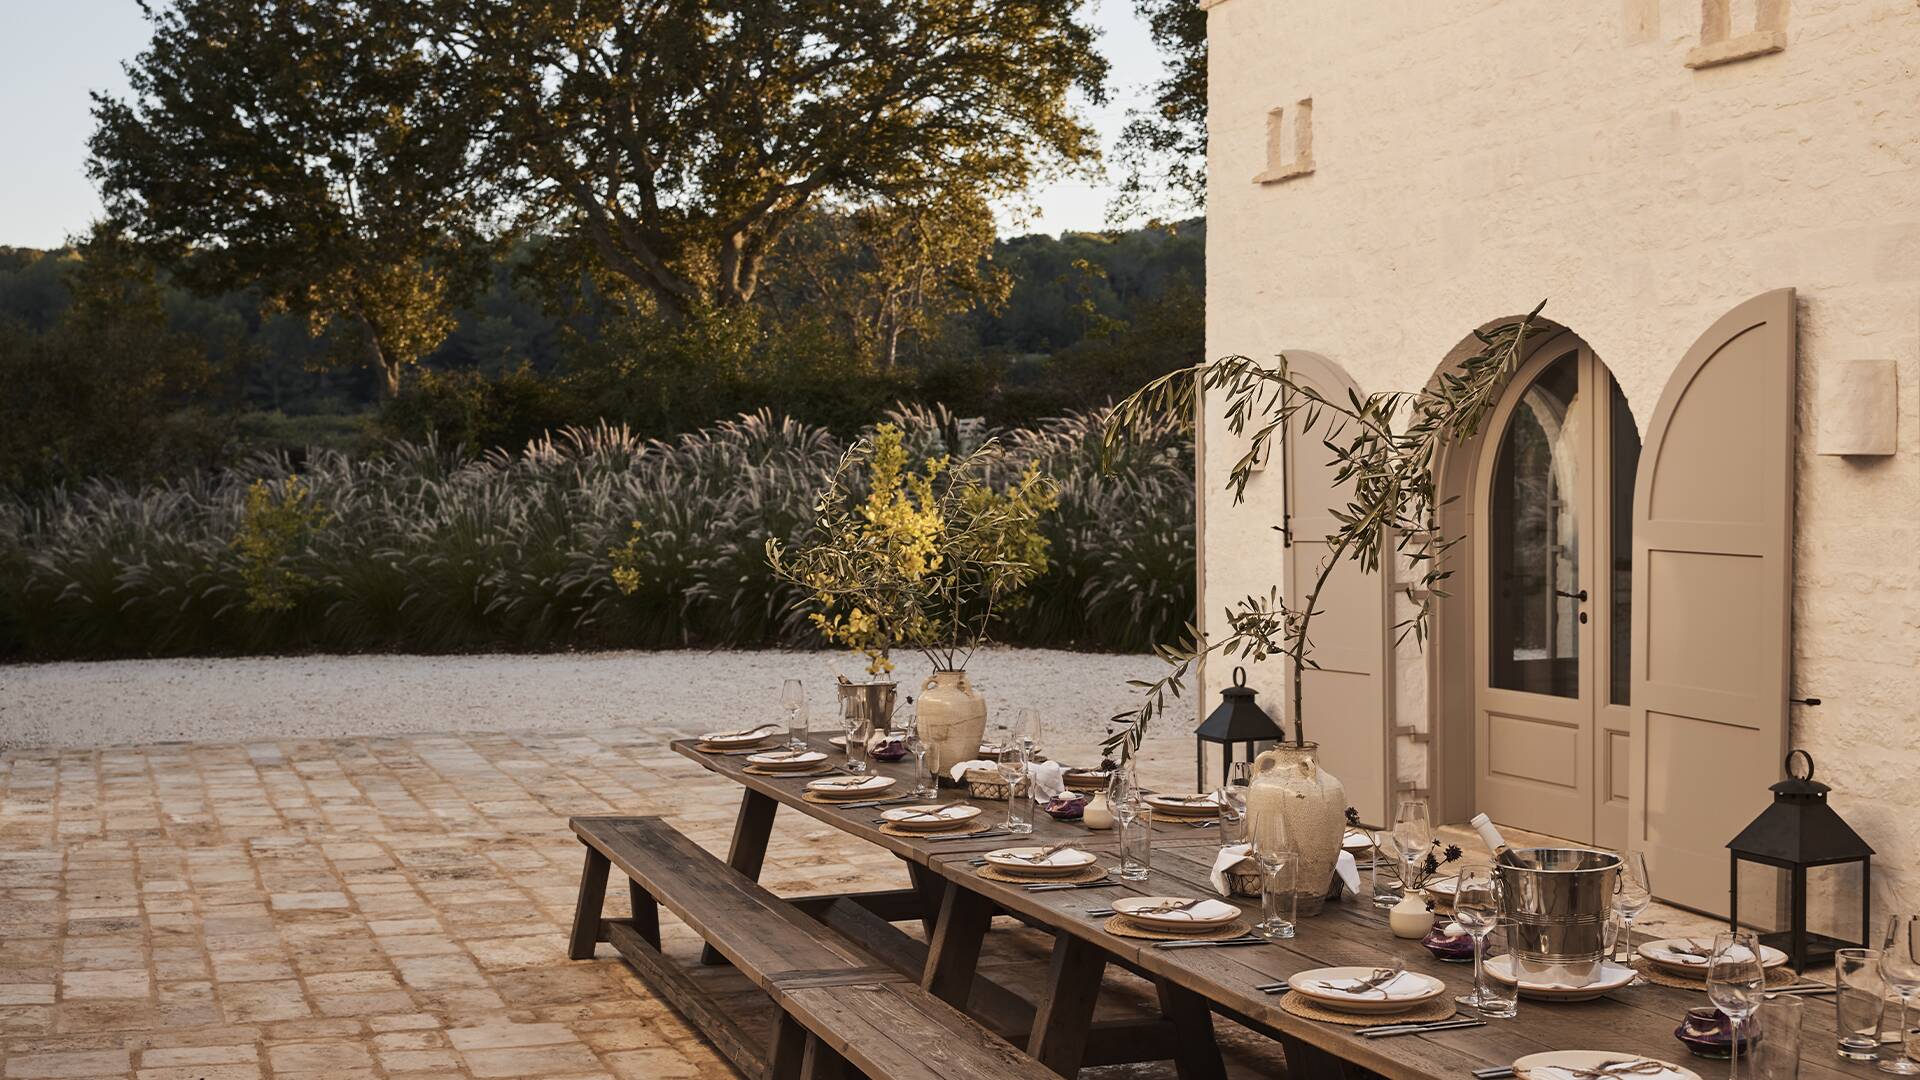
<point>1163,148</point>
<point>307,148</point>
<point>683,138</point>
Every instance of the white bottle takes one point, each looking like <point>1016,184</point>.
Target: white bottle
<point>1502,854</point>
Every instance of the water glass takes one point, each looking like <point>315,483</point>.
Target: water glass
<point>793,698</point>
<point>1013,770</point>
<point>1386,856</point>
<point>1860,1002</point>
<point>1900,967</point>
<point>1136,842</point>
<point>1735,980</point>
<point>1413,835</point>
<point>1279,899</point>
<point>1498,998</point>
<point>925,785</point>
<point>1776,1030</point>
<point>856,729</point>
<point>1026,730</point>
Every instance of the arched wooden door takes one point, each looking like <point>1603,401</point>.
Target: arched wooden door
<point>1552,498</point>
<point>1713,526</point>
<point>1344,698</point>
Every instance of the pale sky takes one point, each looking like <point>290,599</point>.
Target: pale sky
<point>52,54</point>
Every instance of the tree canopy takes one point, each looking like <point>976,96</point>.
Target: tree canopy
<point>1163,149</point>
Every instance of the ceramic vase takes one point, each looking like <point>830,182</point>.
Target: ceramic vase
<point>952,718</point>
<point>1410,918</point>
<point>1097,815</point>
<point>1289,783</point>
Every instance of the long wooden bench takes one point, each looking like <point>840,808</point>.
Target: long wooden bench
<point>838,1005</point>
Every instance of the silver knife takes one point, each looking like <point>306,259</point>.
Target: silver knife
<point>1422,1029</point>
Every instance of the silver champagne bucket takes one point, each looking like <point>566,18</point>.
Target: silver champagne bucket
<point>1557,902</point>
<point>870,704</point>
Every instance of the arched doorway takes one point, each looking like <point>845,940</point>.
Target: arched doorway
<point>1534,641</point>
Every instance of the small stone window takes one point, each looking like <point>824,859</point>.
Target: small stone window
<point>1719,44</point>
<point>1289,143</point>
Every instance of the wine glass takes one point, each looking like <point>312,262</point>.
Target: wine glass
<point>1735,981</point>
<point>923,782</point>
<point>1026,730</point>
<point>1013,769</point>
<point>1900,968</point>
<point>1632,892</point>
<point>793,698</point>
<point>1476,907</point>
<point>1413,834</point>
<point>1273,855</point>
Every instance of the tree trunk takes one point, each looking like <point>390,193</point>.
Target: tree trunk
<point>388,372</point>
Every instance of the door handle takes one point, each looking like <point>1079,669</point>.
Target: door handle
<point>1580,596</point>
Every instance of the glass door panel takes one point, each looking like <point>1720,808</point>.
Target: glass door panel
<point>1534,590</point>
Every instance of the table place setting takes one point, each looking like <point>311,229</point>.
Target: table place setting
<point>736,742</point>
<point>930,819</point>
<point>1177,919</point>
<point>1587,1065</point>
<point>1058,865</point>
<point>788,763</point>
<point>1204,806</point>
<point>1360,996</point>
<point>842,789</point>
<point>1682,963</point>
<point>1607,977</point>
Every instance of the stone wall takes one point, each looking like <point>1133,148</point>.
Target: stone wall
<point>1464,159</point>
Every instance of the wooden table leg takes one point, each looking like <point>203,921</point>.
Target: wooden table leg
<point>646,913</point>
<point>586,910</point>
<point>1196,1054</point>
<point>1059,1039</point>
<point>931,887</point>
<point>751,831</point>
<point>1306,1062</point>
<point>954,953</point>
<point>788,1050</point>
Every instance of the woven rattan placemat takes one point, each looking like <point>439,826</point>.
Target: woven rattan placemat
<point>1121,926</point>
<point>1301,1005</point>
<point>1778,976</point>
<point>1080,877</point>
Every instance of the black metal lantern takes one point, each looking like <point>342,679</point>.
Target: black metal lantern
<point>1799,832</point>
<point>1237,719</point>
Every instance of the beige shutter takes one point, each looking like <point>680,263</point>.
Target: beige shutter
<point>1712,559</point>
<point>1345,698</point>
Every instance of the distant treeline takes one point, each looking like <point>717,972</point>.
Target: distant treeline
<point>112,370</point>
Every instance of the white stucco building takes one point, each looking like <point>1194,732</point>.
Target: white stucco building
<point>1701,496</point>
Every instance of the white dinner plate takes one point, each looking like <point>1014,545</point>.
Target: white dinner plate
<point>1612,977</point>
<point>1019,860</point>
<point>930,816</point>
<point>1356,840</point>
<point>1177,913</point>
<point>1661,954</point>
<point>1341,988</point>
<point>850,787</point>
<point>1564,1064</point>
<point>787,759</point>
<point>747,737</point>
<point>1442,891</point>
<point>1185,805</point>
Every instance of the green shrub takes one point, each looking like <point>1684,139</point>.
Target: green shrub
<point>420,548</point>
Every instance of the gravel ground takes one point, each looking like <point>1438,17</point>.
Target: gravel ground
<point>139,702</point>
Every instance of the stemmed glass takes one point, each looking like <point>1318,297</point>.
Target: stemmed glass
<point>1735,981</point>
<point>1476,907</point>
<point>1013,769</point>
<point>1900,968</point>
<point>1026,730</point>
<point>1632,892</point>
<point>1413,834</point>
<point>793,698</point>
<point>1274,855</point>
<point>1233,804</point>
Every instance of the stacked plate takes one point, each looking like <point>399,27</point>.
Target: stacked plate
<point>1176,914</point>
<point>1609,978</point>
<point>787,760</point>
<point>930,818</point>
<point>1689,956</point>
<point>1039,862</point>
<point>734,740</point>
<point>1365,990</point>
<point>1581,1064</point>
<point>850,787</point>
<point>1186,806</point>
<point>1356,841</point>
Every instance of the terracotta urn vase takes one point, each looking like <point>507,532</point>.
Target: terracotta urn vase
<point>1288,783</point>
<point>952,717</point>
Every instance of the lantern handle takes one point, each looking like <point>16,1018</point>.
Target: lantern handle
<point>1240,677</point>
<point>1788,763</point>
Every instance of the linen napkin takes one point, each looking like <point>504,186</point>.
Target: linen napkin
<point>1047,780</point>
<point>1232,855</point>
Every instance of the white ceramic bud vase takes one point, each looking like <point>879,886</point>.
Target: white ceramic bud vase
<point>1410,918</point>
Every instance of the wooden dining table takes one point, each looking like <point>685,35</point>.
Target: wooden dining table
<point>956,907</point>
